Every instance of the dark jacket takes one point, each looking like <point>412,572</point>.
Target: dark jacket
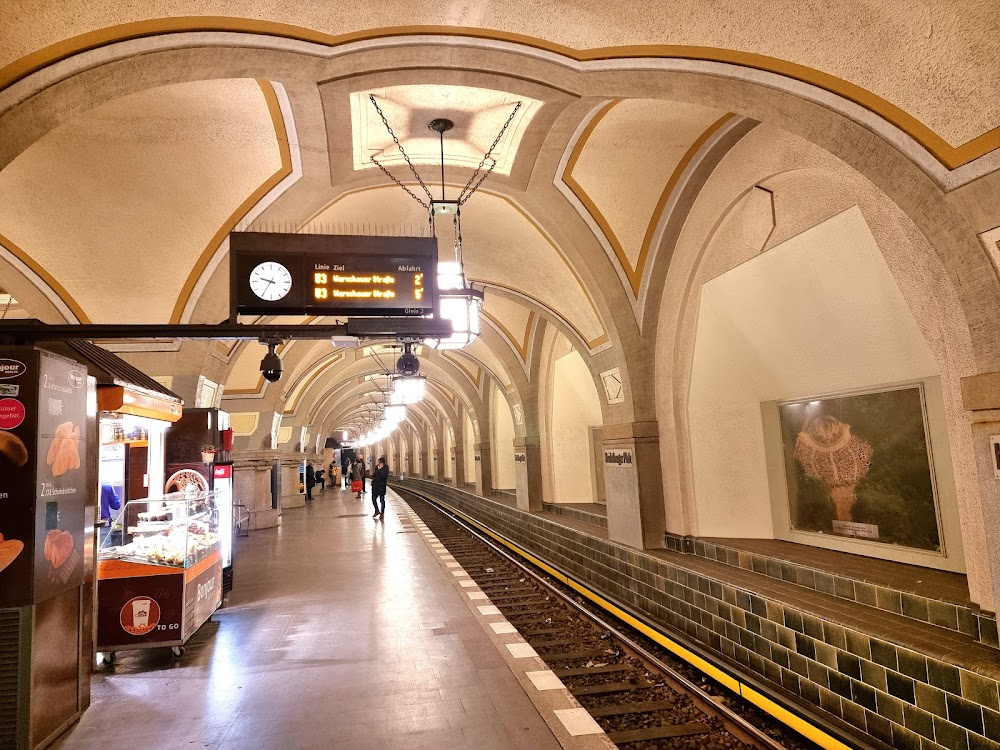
<point>379,480</point>
<point>310,476</point>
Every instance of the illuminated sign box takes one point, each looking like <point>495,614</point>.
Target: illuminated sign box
<point>308,274</point>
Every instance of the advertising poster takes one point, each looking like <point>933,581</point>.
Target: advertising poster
<point>18,455</point>
<point>61,479</point>
<point>138,610</point>
<point>202,596</point>
<point>859,466</point>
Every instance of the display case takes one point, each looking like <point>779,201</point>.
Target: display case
<point>174,530</point>
<point>159,573</point>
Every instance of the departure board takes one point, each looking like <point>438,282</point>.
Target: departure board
<point>287,274</point>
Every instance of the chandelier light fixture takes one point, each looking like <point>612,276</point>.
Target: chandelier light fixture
<point>458,301</point>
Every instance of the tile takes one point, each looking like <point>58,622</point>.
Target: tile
<point>467,583</point>
<point>545,679</point>
<point>521,650</point>
<point>453,565</point>
<point>459,574</point>
<point>477,595</point>
<point>489,609</point>
<point>979,689</point>
<point>578,722</point>
<point>502,628</point>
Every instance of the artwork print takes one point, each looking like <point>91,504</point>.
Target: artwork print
<point>859,466</point>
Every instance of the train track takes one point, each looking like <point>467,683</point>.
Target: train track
<point>640,701</point>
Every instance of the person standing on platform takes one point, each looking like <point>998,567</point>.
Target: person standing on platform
<point>358,474</point>
<point>380,479</point>
<point>310,480</point>
<point>345,471</point>
<point>321,479</point>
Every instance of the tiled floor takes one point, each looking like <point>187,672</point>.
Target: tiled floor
<point>341,632</point>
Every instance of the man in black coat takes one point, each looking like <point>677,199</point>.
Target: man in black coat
<point>380,478</point>
<point>310,481</point>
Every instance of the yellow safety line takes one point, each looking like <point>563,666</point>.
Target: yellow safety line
<point>765,704</point>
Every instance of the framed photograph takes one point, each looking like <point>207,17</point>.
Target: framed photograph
<point>859,466</point>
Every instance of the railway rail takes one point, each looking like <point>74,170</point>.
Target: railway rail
<point>639,700</point>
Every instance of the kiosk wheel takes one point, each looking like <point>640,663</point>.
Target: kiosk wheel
<point>177,651</point>
<point>110,657</point>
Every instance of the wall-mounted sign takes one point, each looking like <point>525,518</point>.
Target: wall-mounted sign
<point>520,458</point>
<point>309,274</point>
<point>995,451</point>
<point>619,458</point>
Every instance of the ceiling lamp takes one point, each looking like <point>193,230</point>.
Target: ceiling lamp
<point>457,300</point>
<point>407,389</point>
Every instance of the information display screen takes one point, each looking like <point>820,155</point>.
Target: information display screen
<point>360,282</point>
<point>288,274</point>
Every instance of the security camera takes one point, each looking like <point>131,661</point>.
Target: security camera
<point>270,366</point>
<point>408,364</point>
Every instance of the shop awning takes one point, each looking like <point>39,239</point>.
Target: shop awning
<point>124,388</point>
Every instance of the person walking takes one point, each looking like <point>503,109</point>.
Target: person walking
<point>358,474</point>
<point>380,478</point>
<point>310,480</point>
<point>345,471</point>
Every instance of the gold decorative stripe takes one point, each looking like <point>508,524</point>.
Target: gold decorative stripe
<point>950,156</point>
<point>668,190</point>
<point>47,278</point>
<point>519,346</point>
<point>635,273</point>
<point>274,108</point>
<point>474,377</point>
<point>592,344</point>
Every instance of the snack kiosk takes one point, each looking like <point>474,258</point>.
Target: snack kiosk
<point>162,579</point>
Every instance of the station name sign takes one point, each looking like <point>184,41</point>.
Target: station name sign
<point>308,274</point>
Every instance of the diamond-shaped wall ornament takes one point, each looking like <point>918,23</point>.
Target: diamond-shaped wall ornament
<point>614,390</point>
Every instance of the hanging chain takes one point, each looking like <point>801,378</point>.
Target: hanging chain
<point>371,98</point>
<point>466,191</point>
<point>6,309</point>
<point>392,177</point>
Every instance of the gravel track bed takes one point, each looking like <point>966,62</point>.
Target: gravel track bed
<point>489,570</point>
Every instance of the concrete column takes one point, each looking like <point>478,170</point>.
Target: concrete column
<point>290,495</point>
<point>427,455</point>
<point>633,484</point>
<point>411,462</point>
<point>439,459</point>
<point>458,466</point>
<point>252,486</point>
<point>484,470</point>
<point>528,473</point>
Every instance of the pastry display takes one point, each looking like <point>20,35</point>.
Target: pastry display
<point>64,450</point>
<point>13,452</point>
<point>9,550</point>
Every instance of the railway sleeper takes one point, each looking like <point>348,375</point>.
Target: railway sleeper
<point>624,709</point>
<point>658,733</point>
<point>609,687</point>
<point>571,655</point>
<point>585,671</point>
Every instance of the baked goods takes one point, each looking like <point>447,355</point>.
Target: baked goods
<point>12,451</point>
<point>9,550</point>
<point>64,450</point>
<point>58,547</point>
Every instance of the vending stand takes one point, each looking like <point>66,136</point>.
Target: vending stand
<point>162,579</point>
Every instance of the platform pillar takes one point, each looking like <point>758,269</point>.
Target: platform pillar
<point>528,473</point>
<point>633,484</point>
<point>458,466</point>
<point>439,460</point>
<point>484,470</point>
<point>428,470</point>
<point>252,486</point>
<point>290,495</point>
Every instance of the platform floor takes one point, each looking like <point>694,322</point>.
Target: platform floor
<point>341,632</point>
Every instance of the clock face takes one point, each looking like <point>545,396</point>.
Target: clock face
<point>270,281</point>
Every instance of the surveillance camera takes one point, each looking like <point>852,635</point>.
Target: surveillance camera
<point>270,366</point>
<point>408,364</point>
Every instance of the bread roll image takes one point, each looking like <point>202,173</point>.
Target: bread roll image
<point>9,550</point>
<point>64,450</point>
<point>12,451</point>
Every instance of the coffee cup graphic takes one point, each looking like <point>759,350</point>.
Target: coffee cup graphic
<point>140,615</point>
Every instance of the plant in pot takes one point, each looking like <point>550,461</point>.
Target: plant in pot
<point>208,453</point>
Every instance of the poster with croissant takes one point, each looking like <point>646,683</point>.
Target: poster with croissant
<point>18,456</point>
<point>860,466</point>
<point>61,478</point>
